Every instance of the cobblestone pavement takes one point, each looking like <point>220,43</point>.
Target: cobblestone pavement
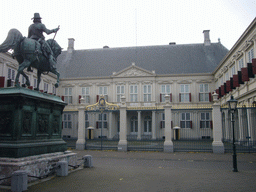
<point>156,171</point>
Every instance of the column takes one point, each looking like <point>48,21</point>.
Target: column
<point>217,144</point>
<point>122,144</point>
<point>168,144</point>
<point>80,143</point>
<point>153,124</point>
<point>139,125</point>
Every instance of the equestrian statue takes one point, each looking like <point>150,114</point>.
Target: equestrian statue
<point>33,51</point>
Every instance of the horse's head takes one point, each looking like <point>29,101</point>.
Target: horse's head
<point>56,49</point>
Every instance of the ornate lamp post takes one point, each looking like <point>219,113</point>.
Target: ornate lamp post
<point>232,103</point>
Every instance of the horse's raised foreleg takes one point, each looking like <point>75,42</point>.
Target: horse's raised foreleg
<point>22,66</point>
<point>26,77</point>
<point>58,77</point>
<point>38,79</point>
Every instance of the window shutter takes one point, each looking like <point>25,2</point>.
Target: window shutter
<point>244,72</point>
<point>189,97</point>
<point>210,97</point>
<point>240,81</point>
<point>97,98</point>
<point>62,98</point>
<point>254,66</point>
<point>211,124</point>
<point>30,87</point>
<point>231,83</point>
<point>79,97</point>
<point>160,97</point>
<point>222,90</point>
<point>170,97</point>
<point>228,86</point>
<point>171,124</point>
<point>235,81</point>
<point>2,81</point>
<point>97,124</point>
<point>191,124</point>
<point>250,74</point>
<point>180,97</point>
<point>201,124</point>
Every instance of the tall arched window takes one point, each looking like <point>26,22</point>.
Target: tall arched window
<point>147,125</point>
<point>134,125</point>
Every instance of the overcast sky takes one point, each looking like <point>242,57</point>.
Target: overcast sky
<point>125,23</point>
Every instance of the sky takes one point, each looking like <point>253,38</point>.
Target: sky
<point>128,23</point>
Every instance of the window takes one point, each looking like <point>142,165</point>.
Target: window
<point>226,76</point>
<point>147,125</point>
<point>86,120</point>
<point>240,64</point>
<point>185,96</point>
<point>233,70</point>
<point>103,90</point>
<point>45,87</point>
<point>119,92</point>
<point>11,74</point>
<point>162,124</point>
<point>104,120</point>
<point>53,90</point>
<point>35,82</point>
<point>147,93</point>
<point>68,95</point>
<point>203,92</point>
<point>86,94</point>
<point>133,93</point>
<point>165,90</point>
<point>205,120</point>
<point>250,56</point>
<point>134,125</point>
<point>67,121</point>
<point>185,120</point>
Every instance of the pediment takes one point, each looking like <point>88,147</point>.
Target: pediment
<point>133,71</point>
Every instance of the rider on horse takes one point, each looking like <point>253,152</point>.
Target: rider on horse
<point>35,32</point>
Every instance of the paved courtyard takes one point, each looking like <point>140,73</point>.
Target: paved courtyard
<point>156,171</point>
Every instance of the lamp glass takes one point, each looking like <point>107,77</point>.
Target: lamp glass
<point>232,104</point>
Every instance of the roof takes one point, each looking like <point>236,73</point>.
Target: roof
<point>165,59</point>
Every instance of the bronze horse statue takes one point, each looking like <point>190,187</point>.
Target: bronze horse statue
<point>28,53</point>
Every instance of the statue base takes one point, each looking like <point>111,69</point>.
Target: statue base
<point>30,123</point>
<point>36,166</point>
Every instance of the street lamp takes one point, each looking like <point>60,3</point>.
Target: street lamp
<point>232,104</point>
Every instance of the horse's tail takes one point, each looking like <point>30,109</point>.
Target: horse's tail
<point>14,36</point>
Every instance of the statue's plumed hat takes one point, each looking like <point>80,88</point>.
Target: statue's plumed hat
<point>36,16</point>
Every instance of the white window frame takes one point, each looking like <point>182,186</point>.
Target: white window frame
<point>147,125</point>
<point>205,120</point>
<point>11,74</point>
<point>120,91</point>
<point>67,120</point>
<point>134,125</point>
<point>233,70</point>
<point>240,64</point>
<point>35,82</point>
<point>68,95</point>
<point>46,85</point>
<point>165,90</point>
<point>184,93</point>
<point>134,93</point>
<point>104,120</point>
<point>103,90</point>
<point>86,94</point>
<point>53,89</point>
<point>204,92</point>
<point>147,93</point>
<point>186,118</point>
<point>250,55</point>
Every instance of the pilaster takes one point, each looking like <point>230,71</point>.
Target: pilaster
<point>122,144</point>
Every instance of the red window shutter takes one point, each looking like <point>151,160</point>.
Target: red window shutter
<point>170,97</point>
<point>2,81</point>
<point>210,97</point>
<point>222,90</point>
<point>250,74</point>
<point>180,97</point>
<point>30,87</point>
<point>189,97</point>
<point>240,81</point>
<point>244,72</point>
<point>97,99</point>
<point>62,97</point>
<point>79,97</point>
<point>235,81</point>
<point>211,124</point>
<point>254,66</point>
<point>160,97</point>
<point>228,86</point>
<point>191,124</point>
<point>97,124</point>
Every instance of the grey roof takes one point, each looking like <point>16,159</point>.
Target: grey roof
<point>165,59</point>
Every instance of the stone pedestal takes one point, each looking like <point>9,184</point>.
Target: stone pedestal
<point>37,166</point>
<point>30,123</point>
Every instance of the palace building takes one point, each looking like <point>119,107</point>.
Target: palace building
<point>166,93</point>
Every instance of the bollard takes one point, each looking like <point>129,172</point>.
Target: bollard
<point>62,169</point>
<point>87,161</point>
<point>19,181</point>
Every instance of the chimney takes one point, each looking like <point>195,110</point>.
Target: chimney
<point>71,45</point>
<point>207,40</point>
